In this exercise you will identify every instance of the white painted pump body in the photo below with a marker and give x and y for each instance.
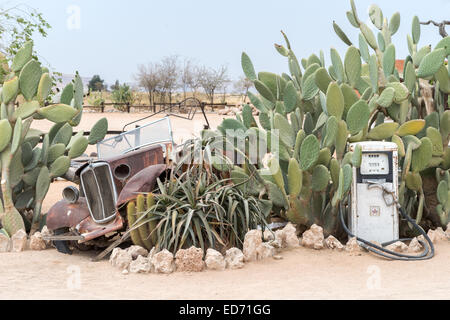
(371, 218)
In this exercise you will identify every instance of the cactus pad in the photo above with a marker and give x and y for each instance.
(422, 155)
(383, 131)
(58, 112)
(335, 101)
(358, 117)
(309, 152)
(320, 178)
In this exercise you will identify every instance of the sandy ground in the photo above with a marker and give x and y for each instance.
(301, 274)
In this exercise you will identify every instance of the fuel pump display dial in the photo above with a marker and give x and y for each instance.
(375, 164)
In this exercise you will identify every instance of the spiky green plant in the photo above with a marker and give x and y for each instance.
(30, 158)
(196, 205)
(315, 111)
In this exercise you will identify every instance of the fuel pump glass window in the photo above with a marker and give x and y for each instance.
(375, 164)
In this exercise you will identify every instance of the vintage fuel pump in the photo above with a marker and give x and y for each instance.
(374, 211)
(372, 217)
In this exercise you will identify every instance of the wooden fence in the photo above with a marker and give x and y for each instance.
(154, 108)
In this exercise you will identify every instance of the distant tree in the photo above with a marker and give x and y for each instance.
(96, 83)
(18, 24)
(242, 86)
(122, 94)
(149, 78)
(169, 74)
(186, 76)
(115, 86)
(212, 80)
(194, 81)
(96, 99)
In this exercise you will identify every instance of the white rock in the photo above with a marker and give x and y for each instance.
(334, 244)
(19, 241)
(435, 235)
(252, 241)
(277, 244)
(141, 265)
(224, 111)
(152, 253)
(137, 251)
(189, 260)
(4, 243)
(120, 259)
(353, 247)
(398, 247)
(234, 258)
(313, 238)
(290, 236)
(415, 246)
(46, 233)
(214, 260)
(235, 110)
(440, 234)
(37, 242)
(163, 262)
(280, 239)
(265, 251)
(277, 257)
(125, 272)
(268, 235)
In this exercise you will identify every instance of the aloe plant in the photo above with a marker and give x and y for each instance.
(30, 158)
(316, 110)
(197, 205)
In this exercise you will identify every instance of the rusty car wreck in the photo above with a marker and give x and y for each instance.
(127, 164)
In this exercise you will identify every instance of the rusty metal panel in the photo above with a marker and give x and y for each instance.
(90, 230)
(65, 215)
(144, 181)
(136, 161)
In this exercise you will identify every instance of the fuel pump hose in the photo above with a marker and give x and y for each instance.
(381, 251)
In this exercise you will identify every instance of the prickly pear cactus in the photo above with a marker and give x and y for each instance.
(31, 159)
(316, 110)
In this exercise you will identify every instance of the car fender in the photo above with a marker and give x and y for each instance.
(67, 215)
(143, 181)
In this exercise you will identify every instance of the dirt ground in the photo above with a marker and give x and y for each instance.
(301, 274)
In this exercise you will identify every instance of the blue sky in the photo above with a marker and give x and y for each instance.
(114, 36)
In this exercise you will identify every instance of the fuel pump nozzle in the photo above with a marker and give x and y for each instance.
(388, 195)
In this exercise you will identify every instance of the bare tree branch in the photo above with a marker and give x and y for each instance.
(242, 86)
(149, 78)
(211, 80)
(169, 74)
(441, 26)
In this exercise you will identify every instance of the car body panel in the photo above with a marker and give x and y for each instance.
(142, 182)
(66, 215)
